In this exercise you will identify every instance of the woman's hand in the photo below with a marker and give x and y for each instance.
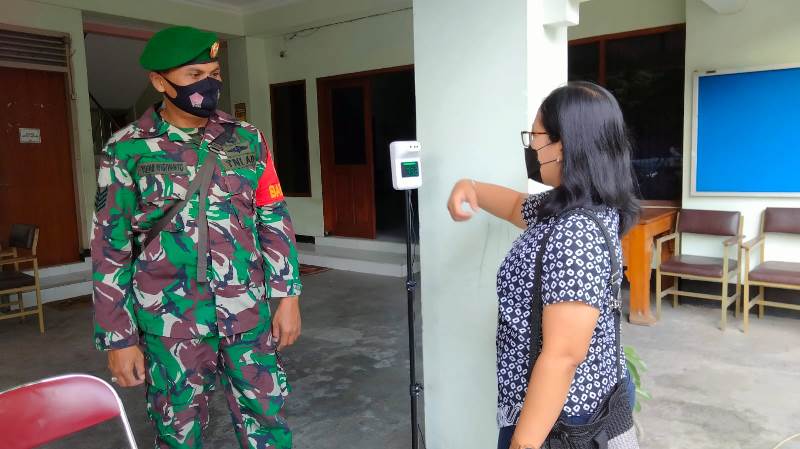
(464, 191)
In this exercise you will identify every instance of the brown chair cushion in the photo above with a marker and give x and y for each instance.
(777, 273)
(697, 265)
(15, 279)
(782, 219)
(709, 222)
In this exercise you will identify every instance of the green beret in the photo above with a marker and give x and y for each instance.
(178, 46)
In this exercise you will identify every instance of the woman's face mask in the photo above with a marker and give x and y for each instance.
(532, 163)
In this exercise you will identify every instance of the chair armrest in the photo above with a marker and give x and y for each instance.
(17, 260)
(661, 240)
(736, 239)
(753, 243)
(10, 252)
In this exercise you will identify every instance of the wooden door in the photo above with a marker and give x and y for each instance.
(36, 179)
(347, 157)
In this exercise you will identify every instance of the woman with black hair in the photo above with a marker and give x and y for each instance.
(560, 368)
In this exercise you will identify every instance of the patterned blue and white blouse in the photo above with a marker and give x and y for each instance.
(576, 268)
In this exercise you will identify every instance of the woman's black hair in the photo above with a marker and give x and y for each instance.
(596, 168)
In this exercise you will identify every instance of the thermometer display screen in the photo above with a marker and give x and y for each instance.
(409, 169)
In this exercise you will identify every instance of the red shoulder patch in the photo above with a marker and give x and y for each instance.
(269, 187)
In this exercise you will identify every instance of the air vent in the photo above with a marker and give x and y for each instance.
(23, 49)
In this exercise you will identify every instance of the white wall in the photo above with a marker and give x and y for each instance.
(476, 89)
(378, 42)
(249, 79)
(600, 17)
(766, 32)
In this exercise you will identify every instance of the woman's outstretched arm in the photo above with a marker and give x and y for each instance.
(499, 201)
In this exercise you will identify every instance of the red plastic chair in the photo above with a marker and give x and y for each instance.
(50, 409)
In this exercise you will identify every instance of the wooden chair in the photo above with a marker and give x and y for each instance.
(17, 282)
(6, 253)
(772, 274)
(709, 269)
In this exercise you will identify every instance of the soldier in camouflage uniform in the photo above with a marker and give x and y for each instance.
(186, 258)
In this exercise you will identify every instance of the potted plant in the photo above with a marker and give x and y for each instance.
(636, 367)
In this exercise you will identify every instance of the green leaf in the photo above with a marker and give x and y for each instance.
(637, 378)
(638, 364)
(636, 367)
(633, 358)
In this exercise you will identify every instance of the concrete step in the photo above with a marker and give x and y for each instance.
(66, 279)
(384, 263)
(63, 282)
(363, 244)
(58, 270)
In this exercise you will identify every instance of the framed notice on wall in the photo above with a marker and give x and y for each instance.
(744, 132)
(30, 135)
(240, 111)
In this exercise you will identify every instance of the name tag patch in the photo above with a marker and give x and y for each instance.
(240, 160)
(162, 168)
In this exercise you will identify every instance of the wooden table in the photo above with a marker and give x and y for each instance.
(637, 249)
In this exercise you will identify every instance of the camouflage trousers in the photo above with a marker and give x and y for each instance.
(181, 374)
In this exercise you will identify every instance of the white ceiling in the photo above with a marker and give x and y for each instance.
(238, 6)
(115, 78)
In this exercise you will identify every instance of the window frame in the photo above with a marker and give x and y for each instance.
(602, 40)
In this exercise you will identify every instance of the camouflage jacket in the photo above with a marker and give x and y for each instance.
(157, 289)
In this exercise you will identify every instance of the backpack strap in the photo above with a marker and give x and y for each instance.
(538, 301)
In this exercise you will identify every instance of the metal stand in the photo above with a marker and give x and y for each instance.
(411, 285)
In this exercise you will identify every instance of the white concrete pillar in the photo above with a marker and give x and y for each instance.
(249, 79)
(482, 68)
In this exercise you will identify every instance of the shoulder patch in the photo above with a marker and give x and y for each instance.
(100, 198)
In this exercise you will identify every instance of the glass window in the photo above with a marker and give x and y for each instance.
(645, 71)
(349, 145)
(646, 74)
(584, 62)
(290, 135)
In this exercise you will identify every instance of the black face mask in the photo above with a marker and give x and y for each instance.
(199, 99)
(532, 163)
